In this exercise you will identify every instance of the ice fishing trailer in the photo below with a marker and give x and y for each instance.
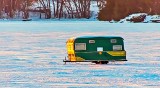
(95, 49)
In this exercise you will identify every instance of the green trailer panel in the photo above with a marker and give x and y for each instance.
(97, 48)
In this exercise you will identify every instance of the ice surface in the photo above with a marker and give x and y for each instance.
(32, 53)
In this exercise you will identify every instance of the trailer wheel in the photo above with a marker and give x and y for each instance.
(104, 62)
(100, 62)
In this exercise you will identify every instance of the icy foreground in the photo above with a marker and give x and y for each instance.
(31, 55)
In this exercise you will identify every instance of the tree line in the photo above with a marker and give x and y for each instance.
(48, 8)
(10, 8)
(119, 9)
(109, 9)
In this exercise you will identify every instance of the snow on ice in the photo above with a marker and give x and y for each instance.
(32, 53)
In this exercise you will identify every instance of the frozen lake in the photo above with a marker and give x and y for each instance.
(32, 53)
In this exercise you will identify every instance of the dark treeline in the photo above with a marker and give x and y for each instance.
(65, 8)
(109, 9)
(118, 9)
(10, 8)
(47, 8)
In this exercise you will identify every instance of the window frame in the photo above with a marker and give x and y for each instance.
(120, 48)
(113, 40)
(91, 41)
(84, 48)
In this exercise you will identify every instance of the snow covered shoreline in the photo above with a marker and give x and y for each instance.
(148, 19)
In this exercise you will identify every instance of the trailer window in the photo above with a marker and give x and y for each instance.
(117, 47)
(91, 41)
(80, 46)
(113, 41)
(99, 48)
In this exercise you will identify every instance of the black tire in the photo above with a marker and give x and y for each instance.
(100, 62)
(104, 62)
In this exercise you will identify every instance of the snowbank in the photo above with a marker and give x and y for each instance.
(147, 19)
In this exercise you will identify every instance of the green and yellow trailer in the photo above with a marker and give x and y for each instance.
(95, 49)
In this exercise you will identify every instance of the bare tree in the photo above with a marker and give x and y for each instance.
(78, 8)
(25, 5)
(46, 4)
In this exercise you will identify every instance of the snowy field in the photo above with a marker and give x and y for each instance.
(32, 53)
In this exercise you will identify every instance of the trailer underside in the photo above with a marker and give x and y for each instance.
(94, 61)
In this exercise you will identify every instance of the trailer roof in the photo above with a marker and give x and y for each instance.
(94, 37)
